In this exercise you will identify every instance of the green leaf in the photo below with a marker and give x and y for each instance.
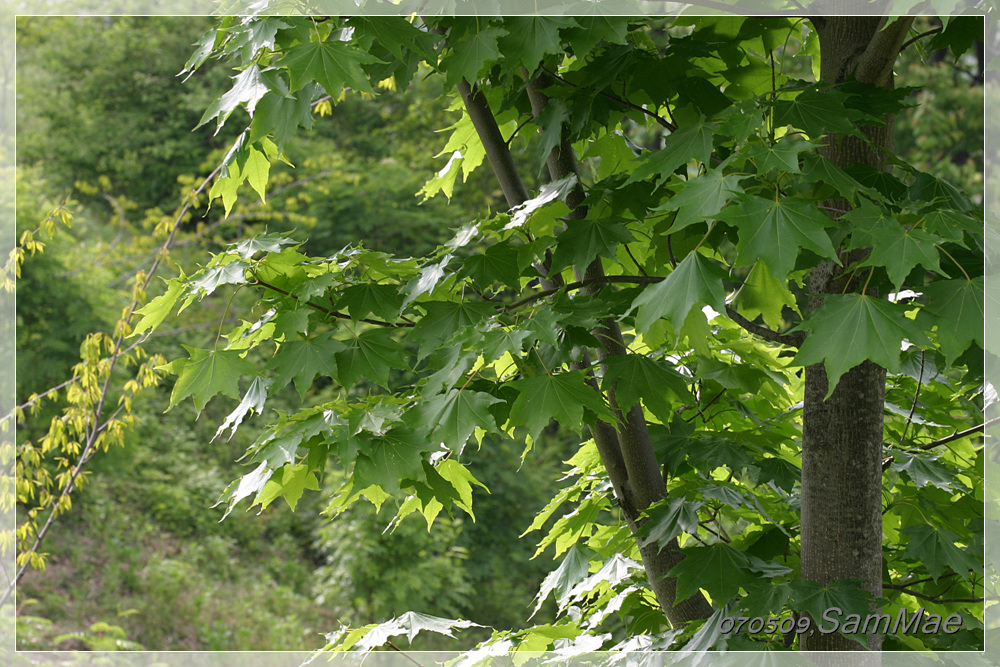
(452, 417)
(411, 624)
(853, 328)
(498, 263)
(206, 373)
(815, 599)
(444, 319)
(934, 547)
(923, 469)
(701, 198)
(719, 569)
(154, 312)
(253, 401)
(561, 397)
(394, 33)
(530, 38)
(957, 308)
(248, 88)
(389, 458)
(471, 55)
(816, 112)
(256, 171)
(302, 360)
(900, 250)
(696, 281)
(774, 230)
(636, 376)
(583, 240)
(334, 65)
(366, 299)
(371, 355)
(762, 295)
(668, 519)
(817, 169)
(765, 598)
(574, 568)
(783, 155)
(289, 481)
(691, 142)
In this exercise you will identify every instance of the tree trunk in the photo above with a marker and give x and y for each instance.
(842, 436)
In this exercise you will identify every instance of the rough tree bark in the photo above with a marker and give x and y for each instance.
(842, 436)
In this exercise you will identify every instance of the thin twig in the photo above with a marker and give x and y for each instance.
(330, 312)
(959, 434)
(628, 103)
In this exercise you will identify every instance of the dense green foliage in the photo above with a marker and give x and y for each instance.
(414, 356)
(687, 245)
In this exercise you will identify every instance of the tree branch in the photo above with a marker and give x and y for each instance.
(764, 332)
(332, 313)
(628, 103)
(959, 434)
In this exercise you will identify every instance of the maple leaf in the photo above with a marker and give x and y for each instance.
(453, 416)
(385, 460)
(635, 376)
(697, 280)
(719, 568)
(531, 38)
(689, 142)
(774, 230)
(302, 360)
(852, 328)
(472, 54)
(333, 64)
(583, 240)
(368, 298)
(248, 87)
(561, 397)
(701, 198)
(371, 355)
(957, 308)
(935, 548)
(206, 373)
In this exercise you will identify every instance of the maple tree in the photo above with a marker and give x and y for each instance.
(762, 323)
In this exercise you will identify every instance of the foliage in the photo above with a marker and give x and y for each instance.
(422, 354)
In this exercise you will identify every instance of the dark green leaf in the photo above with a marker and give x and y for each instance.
(853, 328)
(303, 359)
(719, 569)
(583, 240)
(451, 418)
(334, 65)
(774, 230)
(366, 299)
(691, 142)
(635, 376)
(697, 281)
(561, 397)
(206, 373)
(957, 308)
(369, 356)
(935, 548)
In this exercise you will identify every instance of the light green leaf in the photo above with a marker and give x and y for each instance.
(266, 243)
(289, 481)
(256, 171)
(411, 624)
(206, 373)
(154, 312)
(762, 295)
